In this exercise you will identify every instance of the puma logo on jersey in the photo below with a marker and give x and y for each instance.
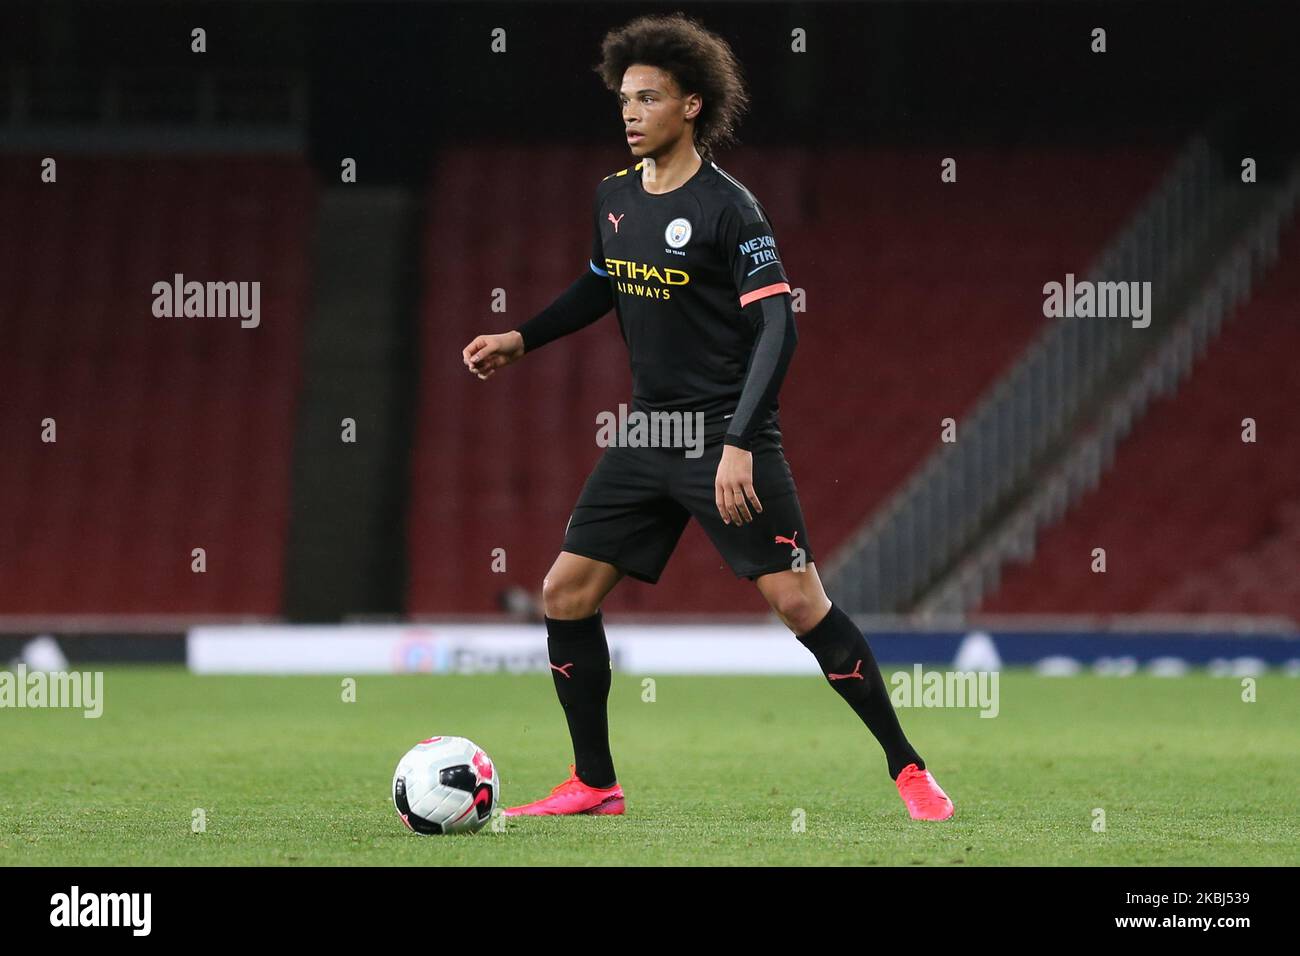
(611, 218)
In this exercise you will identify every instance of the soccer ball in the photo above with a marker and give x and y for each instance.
(445, 785)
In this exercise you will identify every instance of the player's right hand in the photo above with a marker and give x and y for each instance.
(487, 353)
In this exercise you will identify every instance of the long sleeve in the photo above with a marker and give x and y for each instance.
(582, 303)
(774, 345)
(763, 294)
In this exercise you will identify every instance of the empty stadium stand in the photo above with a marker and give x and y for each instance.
(172, 433)
(1193, 518)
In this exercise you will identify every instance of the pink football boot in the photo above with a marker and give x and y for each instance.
(573, 796)
(924, 797)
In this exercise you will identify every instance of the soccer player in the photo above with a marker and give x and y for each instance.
(686, 257)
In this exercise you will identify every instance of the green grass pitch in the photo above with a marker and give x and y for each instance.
(715, 770)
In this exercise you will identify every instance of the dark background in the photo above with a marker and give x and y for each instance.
(390, 81)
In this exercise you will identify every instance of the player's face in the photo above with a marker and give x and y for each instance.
(654, 110)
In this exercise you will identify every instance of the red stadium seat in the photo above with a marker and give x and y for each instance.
(172, 433)
(1193, 519)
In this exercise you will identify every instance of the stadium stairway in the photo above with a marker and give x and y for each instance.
(345, 551)
(1193, 519)
(1041, 430)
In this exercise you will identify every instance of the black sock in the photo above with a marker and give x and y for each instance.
(581, 669)
(850, 667)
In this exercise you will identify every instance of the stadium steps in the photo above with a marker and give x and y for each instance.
(1242, 242)
(1026, 417)
(347, 528)
(1192, 518)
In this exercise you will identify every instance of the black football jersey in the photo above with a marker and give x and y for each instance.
(683, 265)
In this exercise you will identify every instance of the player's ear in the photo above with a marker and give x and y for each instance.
(693, 106)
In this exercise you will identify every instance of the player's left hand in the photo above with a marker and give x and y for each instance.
(733, 488)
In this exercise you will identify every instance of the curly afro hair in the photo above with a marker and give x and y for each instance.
(699, 60)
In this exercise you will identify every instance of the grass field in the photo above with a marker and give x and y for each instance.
(714, 770)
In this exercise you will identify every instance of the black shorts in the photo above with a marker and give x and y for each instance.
(637, 501)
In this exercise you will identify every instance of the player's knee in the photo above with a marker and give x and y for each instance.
(565, 598)
(796, 609)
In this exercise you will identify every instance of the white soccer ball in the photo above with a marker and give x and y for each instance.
(445, 785)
